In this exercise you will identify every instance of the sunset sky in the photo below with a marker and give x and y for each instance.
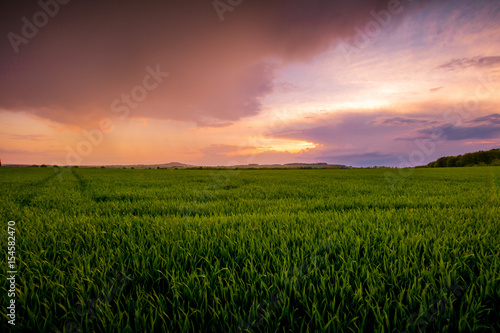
(229, 82)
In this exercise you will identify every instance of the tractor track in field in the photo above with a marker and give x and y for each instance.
(26, 200)
(36, 185)
(82, 183)
(495, 186)
(83, 186)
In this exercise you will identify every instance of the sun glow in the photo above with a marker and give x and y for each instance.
(290, 146)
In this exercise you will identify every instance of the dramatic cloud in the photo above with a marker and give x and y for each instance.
(380, 138)
(246, 81)
(450, 132)
(90, 54)
(489, 128)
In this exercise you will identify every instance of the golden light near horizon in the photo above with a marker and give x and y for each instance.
(290, 146)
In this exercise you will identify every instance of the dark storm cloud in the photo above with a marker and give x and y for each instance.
(455, 133)
(486, 127)
(90, 53)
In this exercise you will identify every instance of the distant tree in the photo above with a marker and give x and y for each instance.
(43, 166)
(451, 161)
(441, 162)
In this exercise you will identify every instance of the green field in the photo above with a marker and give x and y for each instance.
(112, 250)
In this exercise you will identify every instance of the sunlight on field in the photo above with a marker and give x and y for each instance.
(263, 250)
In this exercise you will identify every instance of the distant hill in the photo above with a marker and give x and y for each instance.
(155, 166)
(479, 158)
(254, 166)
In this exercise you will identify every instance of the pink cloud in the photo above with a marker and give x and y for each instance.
(90, 54)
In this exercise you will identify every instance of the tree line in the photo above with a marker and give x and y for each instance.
(479, 158)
